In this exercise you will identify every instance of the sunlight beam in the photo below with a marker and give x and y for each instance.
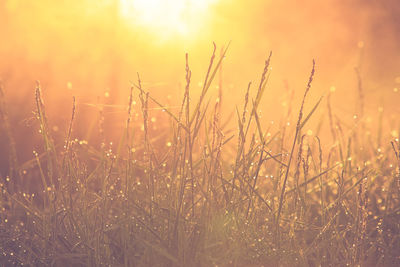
(167, 17)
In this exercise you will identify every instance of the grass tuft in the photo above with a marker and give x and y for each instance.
(199, 193)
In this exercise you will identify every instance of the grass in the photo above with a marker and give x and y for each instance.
(203, 194)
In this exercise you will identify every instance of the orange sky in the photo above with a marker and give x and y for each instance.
(96, 49)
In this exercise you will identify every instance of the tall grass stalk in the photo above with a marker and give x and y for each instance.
(193, 191)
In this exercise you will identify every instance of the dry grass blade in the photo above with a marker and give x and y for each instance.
(263, 82)
(311, 113)
(282, 195)
(207, 82)
(163, 107)
(180, 193)
(4, 121)
(68, 138)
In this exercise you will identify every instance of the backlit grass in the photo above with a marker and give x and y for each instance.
(201, 192)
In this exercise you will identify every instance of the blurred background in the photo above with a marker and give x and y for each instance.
(94, 49)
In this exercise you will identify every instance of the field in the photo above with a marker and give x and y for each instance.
(165, 133)
(206, 188)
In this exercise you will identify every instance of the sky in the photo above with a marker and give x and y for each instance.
(94, 50)
(102, 46)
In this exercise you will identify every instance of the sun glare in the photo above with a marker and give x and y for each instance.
(167, 17)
